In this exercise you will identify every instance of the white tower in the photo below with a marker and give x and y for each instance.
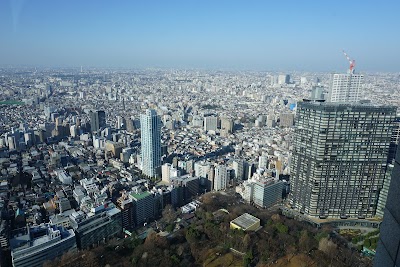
(150, 125)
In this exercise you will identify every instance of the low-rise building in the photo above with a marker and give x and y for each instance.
(245, 222)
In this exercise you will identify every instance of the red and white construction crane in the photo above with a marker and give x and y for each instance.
(351, 61)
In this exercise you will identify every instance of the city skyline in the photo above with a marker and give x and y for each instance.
(185, 133)
(229, 35)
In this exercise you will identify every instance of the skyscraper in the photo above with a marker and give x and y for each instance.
(283, 79)
(150, 125)
(345, 87)
(388, 251)
(339, 158)
(97, 120)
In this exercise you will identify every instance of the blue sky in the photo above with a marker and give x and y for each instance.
(265, 35)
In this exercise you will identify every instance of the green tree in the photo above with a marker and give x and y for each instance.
(283, 229)
(192, 233)
(248, 257)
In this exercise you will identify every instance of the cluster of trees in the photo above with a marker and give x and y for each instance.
(208, 238)
(370, 240)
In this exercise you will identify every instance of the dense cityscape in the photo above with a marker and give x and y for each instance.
(93, 156)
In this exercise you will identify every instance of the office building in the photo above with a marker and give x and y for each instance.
(143, 207)
(210, 123)
(190, 186)
(37, 244)
(345, 87)
(267, 193)
(93, 228)
(339, 158)
(97, 120)
(388, 250)
(151, 143)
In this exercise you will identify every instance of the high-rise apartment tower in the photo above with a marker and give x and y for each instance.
(150, 125)
(339, 158)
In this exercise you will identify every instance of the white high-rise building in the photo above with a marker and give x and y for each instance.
(221, 178)
(150, 125)
(345, 87)
(165, 172)
(263, 162)
(201, 169)
(283, 79)
(210, 123)
(238, 167)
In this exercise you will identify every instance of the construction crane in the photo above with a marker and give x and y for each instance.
(351, 61)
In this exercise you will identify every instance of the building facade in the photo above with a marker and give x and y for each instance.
(345, 87)
(210, 123)
(339, 158)
(97, 120)
(267, 193)
(150, 125)
(39, 244)
(388, 250)
(91, 230)
(143, 207)
(221, 178)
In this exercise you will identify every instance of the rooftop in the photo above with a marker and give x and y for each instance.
(245, 221)
(141, 195)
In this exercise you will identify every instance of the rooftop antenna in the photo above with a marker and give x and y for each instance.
(352, 62)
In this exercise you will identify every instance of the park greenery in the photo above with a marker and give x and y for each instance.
(206, 239)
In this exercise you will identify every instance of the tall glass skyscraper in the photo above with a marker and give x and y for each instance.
(150, 125)
(339, 158)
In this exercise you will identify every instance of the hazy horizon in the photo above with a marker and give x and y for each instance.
(233, 35)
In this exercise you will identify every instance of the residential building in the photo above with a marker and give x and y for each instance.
(345, 87)
(151, 143)
(339, 158)
(221, 178)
